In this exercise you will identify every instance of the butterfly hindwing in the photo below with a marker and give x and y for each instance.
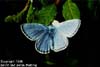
(43, 44)
(60, 42)
(33, 31)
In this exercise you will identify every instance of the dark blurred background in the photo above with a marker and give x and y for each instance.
(14, 45)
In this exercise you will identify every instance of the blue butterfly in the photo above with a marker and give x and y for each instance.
(53, 37)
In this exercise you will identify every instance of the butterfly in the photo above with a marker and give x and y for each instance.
(53, 37)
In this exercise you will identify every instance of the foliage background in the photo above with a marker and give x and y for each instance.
(80, 53)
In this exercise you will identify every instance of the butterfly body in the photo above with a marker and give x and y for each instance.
(53, 37)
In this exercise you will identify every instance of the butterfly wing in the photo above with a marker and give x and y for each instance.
(62, 31)
(68, 28)
(43, 44)
(33, 31)
(60, 42)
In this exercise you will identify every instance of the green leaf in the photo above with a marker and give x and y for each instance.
(90, 4)
(14, 18)
(71, 62)
(46, 2)
(9, 18)
(45, 15)
(70, 10)
(49, 62)
(43, 2)
(30, 13)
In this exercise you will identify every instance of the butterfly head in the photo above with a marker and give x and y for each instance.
(56, 23)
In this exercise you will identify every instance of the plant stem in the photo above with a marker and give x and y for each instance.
(26, 6)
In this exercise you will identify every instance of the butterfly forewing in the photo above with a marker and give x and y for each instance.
(33, 31)
(69, 28)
